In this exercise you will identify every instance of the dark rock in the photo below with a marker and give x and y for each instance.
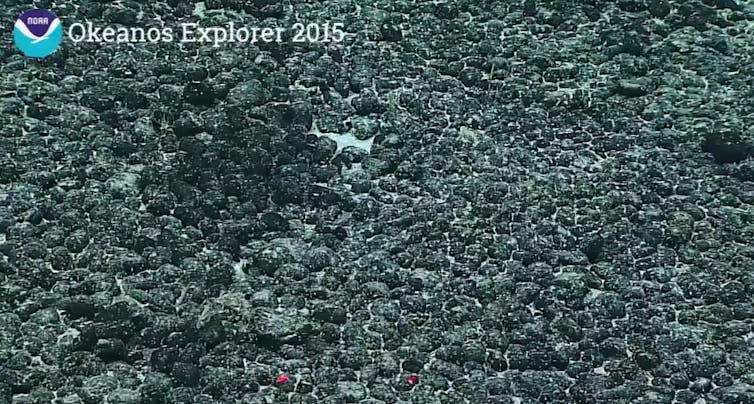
(198, 93)
(726, 149)
(630, 89)
(530, 8)
(391, 32)
(186, 374)
(110, 350)
(646, 360)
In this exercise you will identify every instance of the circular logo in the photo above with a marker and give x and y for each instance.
(37, 33)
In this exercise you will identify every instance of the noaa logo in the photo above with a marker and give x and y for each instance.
(37, 33)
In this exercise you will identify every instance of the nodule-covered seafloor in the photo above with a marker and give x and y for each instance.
(461, 202)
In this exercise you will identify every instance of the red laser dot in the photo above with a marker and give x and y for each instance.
(412, 380)
(283, 378)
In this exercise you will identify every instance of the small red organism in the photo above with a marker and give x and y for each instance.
(412, 380)
(282, 379)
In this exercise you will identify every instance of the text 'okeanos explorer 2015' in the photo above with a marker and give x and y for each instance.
(193, 33)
